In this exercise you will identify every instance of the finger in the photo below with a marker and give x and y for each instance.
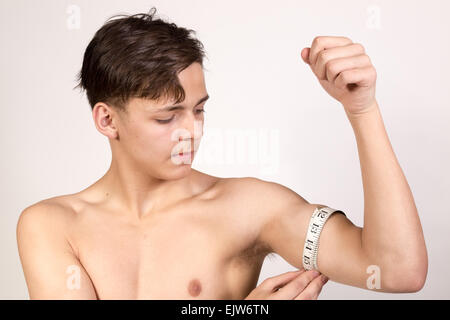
(336, 66)
(313, 289)
(322, 43)
(296, 286)
(359, 76)
(273, 283)
(326, 56)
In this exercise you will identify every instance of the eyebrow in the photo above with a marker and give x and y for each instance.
(176, 107)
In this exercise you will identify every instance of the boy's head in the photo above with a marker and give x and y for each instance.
(133, 67)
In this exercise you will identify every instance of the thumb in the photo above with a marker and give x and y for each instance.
(305, 55)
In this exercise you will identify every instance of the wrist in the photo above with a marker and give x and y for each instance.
(373, 108)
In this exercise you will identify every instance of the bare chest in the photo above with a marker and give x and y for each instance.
(189, 255)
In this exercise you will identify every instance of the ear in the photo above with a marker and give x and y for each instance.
(103, 116)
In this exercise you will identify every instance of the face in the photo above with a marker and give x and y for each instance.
(152, 135)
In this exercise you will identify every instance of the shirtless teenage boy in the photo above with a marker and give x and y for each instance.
(154, 228)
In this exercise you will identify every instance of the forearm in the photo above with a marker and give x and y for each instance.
(392, 232)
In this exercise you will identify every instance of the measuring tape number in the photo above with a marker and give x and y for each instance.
(310, 250)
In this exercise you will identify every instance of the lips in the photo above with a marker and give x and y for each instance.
(183, 154)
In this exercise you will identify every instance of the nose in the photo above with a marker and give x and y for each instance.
(192, 124)
(194, 127)
(189, 134)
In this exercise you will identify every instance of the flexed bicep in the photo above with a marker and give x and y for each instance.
(340, 255)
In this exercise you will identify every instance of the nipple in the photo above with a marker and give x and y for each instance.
(194, 287)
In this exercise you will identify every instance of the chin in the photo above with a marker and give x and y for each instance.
(178, 171)
(181, 173)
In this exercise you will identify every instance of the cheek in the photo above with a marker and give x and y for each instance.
(154, 142)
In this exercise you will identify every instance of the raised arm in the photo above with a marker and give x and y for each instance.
(391, 240)
(51, 268)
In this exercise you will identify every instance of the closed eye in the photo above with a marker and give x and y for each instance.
(198, 111)
(164, 121)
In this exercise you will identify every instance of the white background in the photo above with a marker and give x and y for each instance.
(256, 79)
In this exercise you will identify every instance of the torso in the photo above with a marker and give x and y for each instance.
(202, 248)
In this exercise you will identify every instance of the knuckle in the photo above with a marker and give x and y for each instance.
(360, 47)
(367, 58)
(374, 72)
(311, 276)
(299, 284)
(331, 67)
(344, 75)
(317, 39)
(348, 39)
(321, 60)
(322, 56)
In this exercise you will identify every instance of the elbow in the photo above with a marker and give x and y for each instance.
(419, 271)
(411, 285)
(408, 272)
(419, 276)
(410, 279)
(418, 285)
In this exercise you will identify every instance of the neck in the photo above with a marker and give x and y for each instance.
(138, 194)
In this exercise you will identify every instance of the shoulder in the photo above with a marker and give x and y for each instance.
(57, 208)
(263, 192)
(262, 201)
(255, 197)
(47, 218)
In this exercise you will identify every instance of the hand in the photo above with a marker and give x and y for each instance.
(344, 71)
(293, 285)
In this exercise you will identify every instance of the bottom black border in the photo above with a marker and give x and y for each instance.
(224, 309)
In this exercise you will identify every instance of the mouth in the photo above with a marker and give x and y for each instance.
(184, 154)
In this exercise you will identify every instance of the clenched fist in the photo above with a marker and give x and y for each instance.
(293, 285)
(344, 70)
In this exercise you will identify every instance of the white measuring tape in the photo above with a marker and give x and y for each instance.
(311, 248)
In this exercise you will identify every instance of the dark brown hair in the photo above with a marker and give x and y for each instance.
(137, 56)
